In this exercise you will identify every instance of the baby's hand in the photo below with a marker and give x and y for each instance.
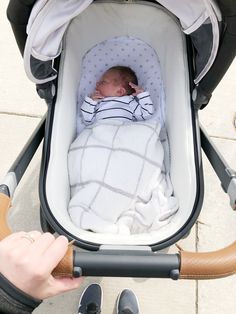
(96, 95)
(137, 89)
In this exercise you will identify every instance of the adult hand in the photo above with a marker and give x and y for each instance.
(27, 260)
(137, 89)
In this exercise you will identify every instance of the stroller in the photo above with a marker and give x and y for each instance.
(201, 35)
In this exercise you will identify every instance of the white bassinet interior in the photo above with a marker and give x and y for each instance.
(153, 25)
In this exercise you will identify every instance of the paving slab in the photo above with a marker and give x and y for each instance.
(15, 131)
(18, 94)
(218, 116)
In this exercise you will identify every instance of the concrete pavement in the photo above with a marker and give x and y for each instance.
(21, 110)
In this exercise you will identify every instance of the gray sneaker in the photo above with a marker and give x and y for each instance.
(91, 300)
(127, 303)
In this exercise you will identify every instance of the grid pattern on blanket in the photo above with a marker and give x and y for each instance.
(117, 178)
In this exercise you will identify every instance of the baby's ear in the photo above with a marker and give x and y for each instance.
(122, 91)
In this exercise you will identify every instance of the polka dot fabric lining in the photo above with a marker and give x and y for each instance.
(126, 51)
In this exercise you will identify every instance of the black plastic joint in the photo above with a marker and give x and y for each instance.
(77, 272)
(200, 99)
(4, 189)
(174, 274)
(46, 91)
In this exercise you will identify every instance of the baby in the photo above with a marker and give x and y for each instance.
(117, 96)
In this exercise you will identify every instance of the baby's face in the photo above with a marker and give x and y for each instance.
(110, 85)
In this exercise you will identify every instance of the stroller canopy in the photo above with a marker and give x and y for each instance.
(214, 42)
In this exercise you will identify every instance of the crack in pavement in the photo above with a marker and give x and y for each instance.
(22, 114)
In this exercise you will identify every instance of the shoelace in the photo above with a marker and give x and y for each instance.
(92, 308)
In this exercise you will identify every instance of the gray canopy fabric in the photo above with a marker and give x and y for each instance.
(46, 26)
(200, 19)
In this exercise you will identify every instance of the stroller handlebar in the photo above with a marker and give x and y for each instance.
(184, 265)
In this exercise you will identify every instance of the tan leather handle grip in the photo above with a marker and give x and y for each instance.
(208, 265)
(5, 204)
(64, 268)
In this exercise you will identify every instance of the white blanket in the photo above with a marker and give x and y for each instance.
(117, 178)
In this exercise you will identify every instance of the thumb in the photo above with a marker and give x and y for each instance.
(64, 284)
(67, 284)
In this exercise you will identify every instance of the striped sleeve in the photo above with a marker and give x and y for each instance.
(144, 108)
(88, 110)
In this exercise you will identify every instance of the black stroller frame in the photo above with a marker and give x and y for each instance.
(132, 261)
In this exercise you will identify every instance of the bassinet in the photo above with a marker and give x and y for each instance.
(180, 121)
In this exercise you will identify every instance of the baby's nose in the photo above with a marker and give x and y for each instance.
(97, 84)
